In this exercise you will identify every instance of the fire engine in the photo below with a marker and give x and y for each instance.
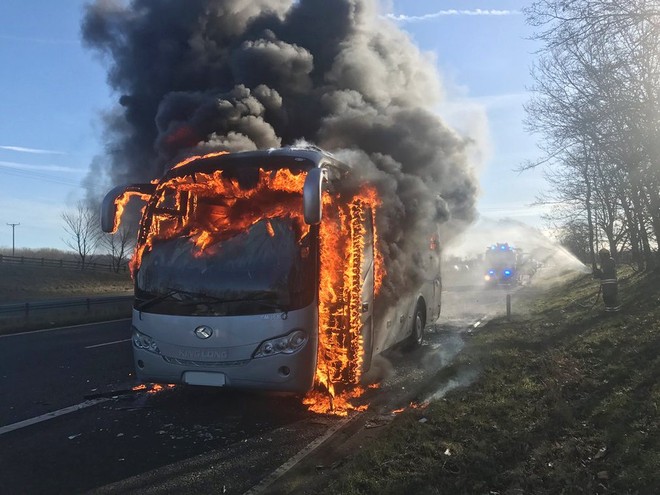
(501, 265)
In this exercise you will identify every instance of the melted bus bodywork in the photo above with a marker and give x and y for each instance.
(242, 305)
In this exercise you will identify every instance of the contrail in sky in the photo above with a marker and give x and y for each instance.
(451, 12)
(37, 151)
(46, 168)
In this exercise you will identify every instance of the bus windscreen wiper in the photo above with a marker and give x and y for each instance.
(264, 299)
(160, 297)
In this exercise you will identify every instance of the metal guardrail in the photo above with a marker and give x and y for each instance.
(61, 263)
(28, 307)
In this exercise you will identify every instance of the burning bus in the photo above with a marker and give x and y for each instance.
(256, 270)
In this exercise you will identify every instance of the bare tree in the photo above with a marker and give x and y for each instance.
(120, 246)
(574, 236)
(597, 105)
(83, 231)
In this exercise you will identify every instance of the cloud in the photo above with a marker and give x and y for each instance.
(46, 168)
(451, 12)
(21, 149)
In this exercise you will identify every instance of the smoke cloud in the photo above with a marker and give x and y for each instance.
(207, 75)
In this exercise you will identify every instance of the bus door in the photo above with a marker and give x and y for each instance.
(367, 289)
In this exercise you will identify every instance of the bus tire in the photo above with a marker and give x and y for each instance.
(419, 322)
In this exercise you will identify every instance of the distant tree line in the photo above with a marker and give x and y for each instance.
(88, 243)
(596, 105)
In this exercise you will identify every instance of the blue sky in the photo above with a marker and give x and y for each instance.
(53, 92)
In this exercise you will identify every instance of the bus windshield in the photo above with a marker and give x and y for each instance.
(213, 245)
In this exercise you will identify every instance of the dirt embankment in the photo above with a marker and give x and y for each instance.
(567, 400)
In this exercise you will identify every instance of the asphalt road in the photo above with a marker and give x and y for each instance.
(45, 372)
(187, 439)
(49, 370)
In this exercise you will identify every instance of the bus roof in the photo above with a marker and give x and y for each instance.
(311, 154)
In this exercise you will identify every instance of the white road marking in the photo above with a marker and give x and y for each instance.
(107, 343)
(288, 465)
(17, 334)
(51, 415)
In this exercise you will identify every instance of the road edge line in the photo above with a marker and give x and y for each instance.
(291, 463)
(51, 415)
(65, 327)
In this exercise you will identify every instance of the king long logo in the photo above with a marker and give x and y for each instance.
(207, 354)
(203, 332)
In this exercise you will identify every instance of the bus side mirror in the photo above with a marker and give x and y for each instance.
(313, 195)
(109, 204)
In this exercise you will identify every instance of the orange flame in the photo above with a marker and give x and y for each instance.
(230, 211)
(340, 352)
(412, 405)
(122, 201)
(321, 402)
(197, 157)
(153, 388)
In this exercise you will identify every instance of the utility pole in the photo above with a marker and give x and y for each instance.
(13, 229)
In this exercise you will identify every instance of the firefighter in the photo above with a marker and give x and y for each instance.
(608, 282)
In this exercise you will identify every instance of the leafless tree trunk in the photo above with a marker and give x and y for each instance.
(590, 220)
(83, 232)
(597, 97)
(120, 246)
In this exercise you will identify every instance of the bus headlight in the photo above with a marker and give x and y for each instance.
(286, 344)
(143, 341)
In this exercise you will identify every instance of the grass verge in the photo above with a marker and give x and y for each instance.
(567, 401)
(19, 284)
(30, 283)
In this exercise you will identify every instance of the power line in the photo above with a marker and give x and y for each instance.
(13, 245)
(38, 176)
(48, 178)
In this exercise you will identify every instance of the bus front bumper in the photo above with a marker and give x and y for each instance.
(281, 372)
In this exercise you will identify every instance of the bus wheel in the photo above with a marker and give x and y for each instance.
(419, 322)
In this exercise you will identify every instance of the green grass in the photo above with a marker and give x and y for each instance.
(567, 401)
(29, 283)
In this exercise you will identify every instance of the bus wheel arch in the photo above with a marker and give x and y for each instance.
(418, 324)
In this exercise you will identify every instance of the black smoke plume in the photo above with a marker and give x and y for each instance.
(202, 75)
